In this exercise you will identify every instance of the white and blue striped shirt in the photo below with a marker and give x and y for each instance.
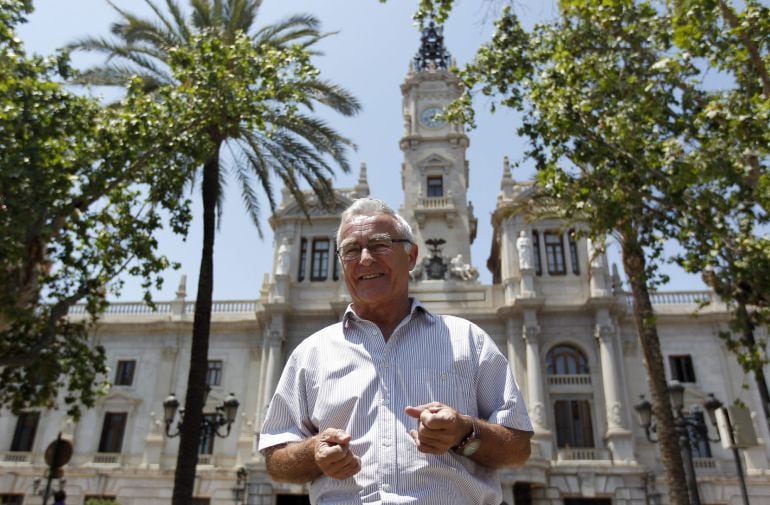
(347, 376)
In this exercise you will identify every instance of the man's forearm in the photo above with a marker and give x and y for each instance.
(502, 446)
(293, 462)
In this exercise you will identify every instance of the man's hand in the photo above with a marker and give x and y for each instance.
(440, 427)
(333, 455)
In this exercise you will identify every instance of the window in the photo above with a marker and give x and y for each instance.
(336, 267)
(112, 432)
(11, 499)
(214, 372)
(320, 260)
(435, 186)
(292, 499)
(206, 445)
(573, 252)
(698, 443)
(24, 435)
(681, 368)
(124, 376)
(302, 259)
(573, 423)
(536, 252)
(554, 253)
(566, 360)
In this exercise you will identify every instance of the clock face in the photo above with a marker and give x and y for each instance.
(429, 117)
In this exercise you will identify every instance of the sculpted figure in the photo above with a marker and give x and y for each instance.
(524, 248)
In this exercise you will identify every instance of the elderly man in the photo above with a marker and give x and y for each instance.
(394, 404)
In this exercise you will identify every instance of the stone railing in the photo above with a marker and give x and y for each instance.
(141, 308)
(707, 465)
(126, 308)
(17, 457)
(434, 202)
(226, 306)
(678, 297)
(583, 454)
(582, 379)
(106, 458)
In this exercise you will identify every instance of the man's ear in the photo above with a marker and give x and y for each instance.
(413, 251)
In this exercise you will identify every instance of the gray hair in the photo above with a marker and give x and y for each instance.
(372, 207)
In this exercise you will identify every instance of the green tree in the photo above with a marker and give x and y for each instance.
(73, 216)
(723, 240)
(253, 93)
(605, 101)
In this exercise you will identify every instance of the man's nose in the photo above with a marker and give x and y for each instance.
(366, 256)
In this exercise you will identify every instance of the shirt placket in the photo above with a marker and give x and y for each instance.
(386, 421)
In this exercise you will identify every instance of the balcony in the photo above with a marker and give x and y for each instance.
(570, 383)
(106, 458)
(14, 457)
(583, 454)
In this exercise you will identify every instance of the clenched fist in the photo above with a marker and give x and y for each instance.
(333, 455)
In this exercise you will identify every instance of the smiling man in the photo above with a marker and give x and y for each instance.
(394, 404)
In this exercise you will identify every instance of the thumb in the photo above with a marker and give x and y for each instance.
(338, 437)
(414, 412)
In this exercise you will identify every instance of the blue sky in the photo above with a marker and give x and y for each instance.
(369, 56)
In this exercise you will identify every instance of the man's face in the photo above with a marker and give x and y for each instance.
(376, 280)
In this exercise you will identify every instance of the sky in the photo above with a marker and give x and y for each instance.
(369, 55)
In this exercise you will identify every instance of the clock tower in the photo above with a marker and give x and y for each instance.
(434, 174)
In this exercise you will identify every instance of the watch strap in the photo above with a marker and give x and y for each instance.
(473, 436)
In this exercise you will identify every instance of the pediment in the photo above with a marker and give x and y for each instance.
(434, 160)
(120, 397)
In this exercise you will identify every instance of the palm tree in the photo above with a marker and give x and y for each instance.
(268, 139)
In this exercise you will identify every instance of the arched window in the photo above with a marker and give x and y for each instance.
(566, 360)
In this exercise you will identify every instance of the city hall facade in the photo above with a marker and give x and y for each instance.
(555, 308)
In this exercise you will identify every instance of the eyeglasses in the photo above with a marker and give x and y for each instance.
(376, 247)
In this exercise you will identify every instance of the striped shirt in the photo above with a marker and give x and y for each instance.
(347, 376)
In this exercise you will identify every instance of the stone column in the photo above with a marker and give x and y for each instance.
(273, 365)
(517, 354)
(619, 438)
(536, 387)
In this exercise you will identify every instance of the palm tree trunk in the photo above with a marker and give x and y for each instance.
(634, 263)
(187, 457)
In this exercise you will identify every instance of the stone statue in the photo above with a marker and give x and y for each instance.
(462, 270)
(596, 254)
(284, 258)
(524, 248)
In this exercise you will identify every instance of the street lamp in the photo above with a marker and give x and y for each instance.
(225, 415)
(239, 491)
(687, 427)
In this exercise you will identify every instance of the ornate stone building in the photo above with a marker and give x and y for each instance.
(554, 308)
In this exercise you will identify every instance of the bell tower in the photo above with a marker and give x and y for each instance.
(434, 174)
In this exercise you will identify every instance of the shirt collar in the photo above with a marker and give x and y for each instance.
(416, 308)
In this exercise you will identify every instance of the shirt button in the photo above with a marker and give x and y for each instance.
(443, 376)
(386, 401)
(386, 487)
(385, 364)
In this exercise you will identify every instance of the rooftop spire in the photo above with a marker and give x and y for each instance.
(432, 53)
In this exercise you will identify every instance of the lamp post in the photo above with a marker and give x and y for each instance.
(687, 427)
(239, 491)
(225, 415)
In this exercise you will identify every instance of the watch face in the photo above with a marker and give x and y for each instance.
(429, 117)
(471, 447)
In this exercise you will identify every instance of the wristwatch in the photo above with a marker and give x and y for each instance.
(471, 443)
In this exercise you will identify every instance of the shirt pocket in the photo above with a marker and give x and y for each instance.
(435, 385)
